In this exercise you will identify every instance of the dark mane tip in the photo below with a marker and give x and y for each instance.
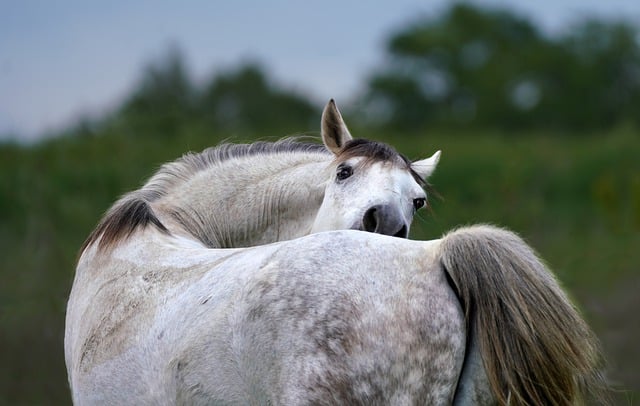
(121, 221)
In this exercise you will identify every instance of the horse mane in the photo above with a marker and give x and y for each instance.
(133, 210)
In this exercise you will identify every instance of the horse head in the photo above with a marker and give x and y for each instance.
(372, 187)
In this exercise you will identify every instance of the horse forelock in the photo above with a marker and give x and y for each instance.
(374, 151)
(134, 211)
(371, 151)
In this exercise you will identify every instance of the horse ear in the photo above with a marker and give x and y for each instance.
(425, 167)
(334, 131)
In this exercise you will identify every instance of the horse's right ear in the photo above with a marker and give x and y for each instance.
(425, 167)
(334, 131)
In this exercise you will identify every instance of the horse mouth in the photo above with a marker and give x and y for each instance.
(403, 232)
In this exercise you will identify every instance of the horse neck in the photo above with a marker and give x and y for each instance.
(247, 201)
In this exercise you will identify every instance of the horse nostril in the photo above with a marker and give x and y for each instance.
(383, 219)
(370, 220)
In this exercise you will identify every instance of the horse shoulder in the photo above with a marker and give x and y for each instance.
(116, 300)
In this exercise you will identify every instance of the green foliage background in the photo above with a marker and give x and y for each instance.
(572, 192)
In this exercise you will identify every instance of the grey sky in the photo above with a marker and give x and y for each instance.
(62, 59)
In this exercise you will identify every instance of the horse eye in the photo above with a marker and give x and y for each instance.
(344, 171)
(419, 203)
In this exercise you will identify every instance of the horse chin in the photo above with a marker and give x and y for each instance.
(402, 233)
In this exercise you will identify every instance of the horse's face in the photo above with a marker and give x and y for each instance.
(372, 187)
(370, 196)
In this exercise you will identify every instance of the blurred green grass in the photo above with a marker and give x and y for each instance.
(575, 199)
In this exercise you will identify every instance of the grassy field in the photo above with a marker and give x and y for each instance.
(575, 199)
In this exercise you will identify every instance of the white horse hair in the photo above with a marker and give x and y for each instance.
(157, 316)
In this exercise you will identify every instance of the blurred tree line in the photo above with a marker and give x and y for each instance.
(492, 68)
(466, 68)
(241, 100)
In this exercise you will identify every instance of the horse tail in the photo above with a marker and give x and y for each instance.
(533, 344)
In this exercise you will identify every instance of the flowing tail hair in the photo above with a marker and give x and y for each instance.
(535, 347)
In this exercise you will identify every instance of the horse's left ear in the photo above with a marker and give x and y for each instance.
(334, 131)
(425, 167)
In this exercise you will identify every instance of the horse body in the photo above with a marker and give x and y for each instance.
(336, 317)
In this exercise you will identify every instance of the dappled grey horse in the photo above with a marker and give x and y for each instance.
(161, 313)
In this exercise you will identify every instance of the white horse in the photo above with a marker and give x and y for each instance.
(157, 316)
